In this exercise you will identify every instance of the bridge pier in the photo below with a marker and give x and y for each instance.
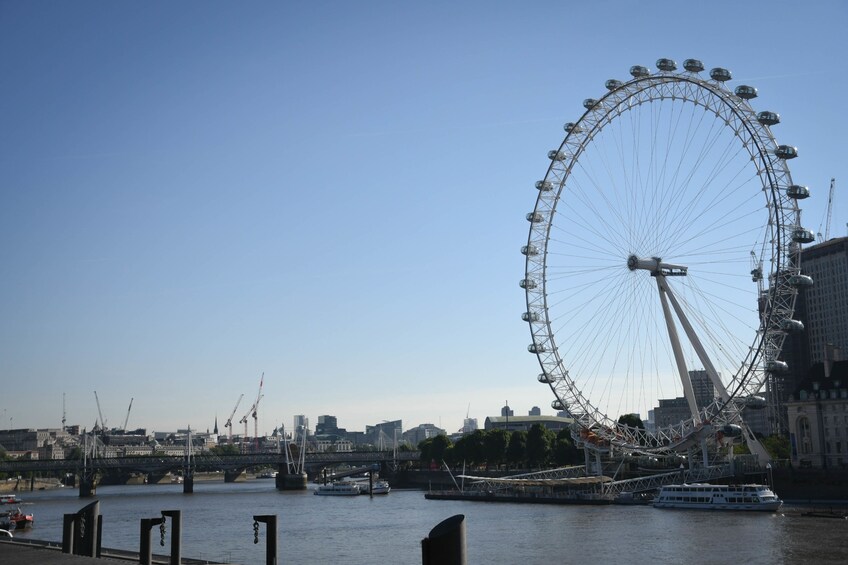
(188, 484)
(291, 481)
(87, 485)
(235, 476)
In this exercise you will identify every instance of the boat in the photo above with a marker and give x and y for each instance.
(704, 496)
(380, 486)
(338, 489)
(9, 499)
(17, 519)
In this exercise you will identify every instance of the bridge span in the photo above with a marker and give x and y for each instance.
(231, 465)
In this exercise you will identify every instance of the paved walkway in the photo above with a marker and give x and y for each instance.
(11, 552)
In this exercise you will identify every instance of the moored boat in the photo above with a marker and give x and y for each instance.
(703, 496)
(9, 499)
(338, 489)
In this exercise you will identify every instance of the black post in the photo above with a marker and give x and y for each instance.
(176, 534)
(81, 531)
(270, 521)
(145, 549)
(446, 543)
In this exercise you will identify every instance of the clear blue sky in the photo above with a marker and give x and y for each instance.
(332, 193)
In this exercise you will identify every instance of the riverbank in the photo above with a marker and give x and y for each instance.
(23, 485)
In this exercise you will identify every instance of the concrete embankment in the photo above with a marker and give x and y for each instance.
(18, 485)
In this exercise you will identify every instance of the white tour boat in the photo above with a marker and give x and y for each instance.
(338, 489)
(702, 496)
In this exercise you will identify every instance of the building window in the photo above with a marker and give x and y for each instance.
(805, 440)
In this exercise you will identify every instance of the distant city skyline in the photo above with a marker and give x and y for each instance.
(332, 194)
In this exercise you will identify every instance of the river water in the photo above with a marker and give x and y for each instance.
(217, 522)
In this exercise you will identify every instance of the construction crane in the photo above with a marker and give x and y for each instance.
(252, 412)
(824, 236)
(229, 423)
(127, 419)
(100, 413)
(63, 412)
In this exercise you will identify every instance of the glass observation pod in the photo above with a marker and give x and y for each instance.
(693, 65)
(590, 103)
(557, 405)
(527, 283)
(801, 281)
(755, 402)
(555, 155)
(536, 348)
(667, 65)
(612, 84)
(534, 217)
(768, 118)
(746, 92)
(544, 185)
(530, 316)
(529, 250)
(777, 366)
(786, 151)
(731, 430)
(721, 75)
(792, 326)
(639, 71)
(545, 378)
(797, 191)
(756, 274)
(571, 127)
(803, 235)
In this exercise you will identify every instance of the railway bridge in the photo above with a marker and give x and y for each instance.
(87, 470)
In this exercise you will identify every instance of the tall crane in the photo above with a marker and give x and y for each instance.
(229, 423)
(253, 412)
(829, 210)
(100, 413)
(127, 419)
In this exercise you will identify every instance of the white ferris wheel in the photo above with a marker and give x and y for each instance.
(664, 242)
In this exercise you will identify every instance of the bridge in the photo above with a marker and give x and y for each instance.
(231, 465)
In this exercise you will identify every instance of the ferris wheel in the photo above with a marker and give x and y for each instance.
(662, 261)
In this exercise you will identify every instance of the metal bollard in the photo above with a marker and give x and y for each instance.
(176, 534)
(145, 549)
(446, 543)
(270, 521)
(81, 531)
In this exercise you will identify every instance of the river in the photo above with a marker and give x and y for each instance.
(217, 523)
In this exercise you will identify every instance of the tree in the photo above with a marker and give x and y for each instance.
(632, 420)
(494, 444)
(564, 450)
(516, 451)
(434, 448)
(539, 442)
(777, 446)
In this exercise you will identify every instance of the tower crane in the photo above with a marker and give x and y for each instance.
(829, 209)
(229, 423)
(252, 411)
(127, 419)
(100, 413)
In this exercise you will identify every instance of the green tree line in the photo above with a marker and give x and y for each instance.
(537, 448)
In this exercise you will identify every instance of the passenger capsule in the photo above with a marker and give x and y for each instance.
(786, 151)
(693, 65)
(544, 185)
(799, 281)
(557, 404)
(777, 366)
(530, 316)
(791, 326)
(529, 250)
(545, 378)
(527, 283)
(803, 235)
(590, 103)
(768, 118)
(534, 217)
(666, 65)
(745, 92)
(536, 348)
(612, 84)
(755, 402)
(555, 155)
(731, 430)
(797, 191)
(639, 71)
(571, 127)
(719, 74)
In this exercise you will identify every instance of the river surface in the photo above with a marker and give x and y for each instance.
(217, 524)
